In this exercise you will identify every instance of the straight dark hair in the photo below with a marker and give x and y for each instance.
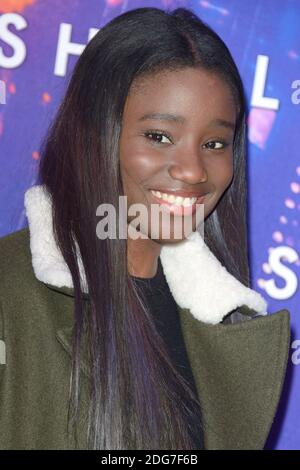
(138, 400)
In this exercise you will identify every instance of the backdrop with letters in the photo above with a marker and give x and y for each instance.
(40, 41)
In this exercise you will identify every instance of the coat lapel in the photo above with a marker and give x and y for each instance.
(239, 371)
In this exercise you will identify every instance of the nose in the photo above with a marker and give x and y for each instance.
(189, 168)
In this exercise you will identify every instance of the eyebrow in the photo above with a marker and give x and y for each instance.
(180, 119)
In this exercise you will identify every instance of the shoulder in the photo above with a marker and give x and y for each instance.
(15, 261)
(14, 240)
(15, 249)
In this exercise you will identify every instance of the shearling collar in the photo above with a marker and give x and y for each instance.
(197, 279)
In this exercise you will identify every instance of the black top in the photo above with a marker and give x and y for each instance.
(166, 318)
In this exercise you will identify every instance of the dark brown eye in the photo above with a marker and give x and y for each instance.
(216, 145)
(157, 137)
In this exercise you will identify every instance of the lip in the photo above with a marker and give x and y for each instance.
(177, 209)
(178, 192)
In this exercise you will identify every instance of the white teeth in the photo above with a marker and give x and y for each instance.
(187, 201)
(178, 200)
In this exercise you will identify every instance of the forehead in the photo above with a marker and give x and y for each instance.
(193, 93)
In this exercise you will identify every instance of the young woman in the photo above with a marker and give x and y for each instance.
(140, 342)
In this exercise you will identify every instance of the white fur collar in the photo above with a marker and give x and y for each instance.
(196, 278)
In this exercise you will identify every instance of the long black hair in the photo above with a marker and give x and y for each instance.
(137, 398)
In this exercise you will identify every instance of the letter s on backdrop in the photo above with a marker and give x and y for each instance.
(18, 46)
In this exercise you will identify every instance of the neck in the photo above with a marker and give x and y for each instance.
(142, 256)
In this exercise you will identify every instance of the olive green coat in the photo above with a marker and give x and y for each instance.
(239, 367)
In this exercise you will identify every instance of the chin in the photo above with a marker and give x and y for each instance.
(171, 238)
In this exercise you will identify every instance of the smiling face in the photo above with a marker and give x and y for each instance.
(177, 139)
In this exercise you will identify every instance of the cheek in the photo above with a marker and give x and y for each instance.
(137, 163)
(136, 169)
(128, 168)
(222, 174)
